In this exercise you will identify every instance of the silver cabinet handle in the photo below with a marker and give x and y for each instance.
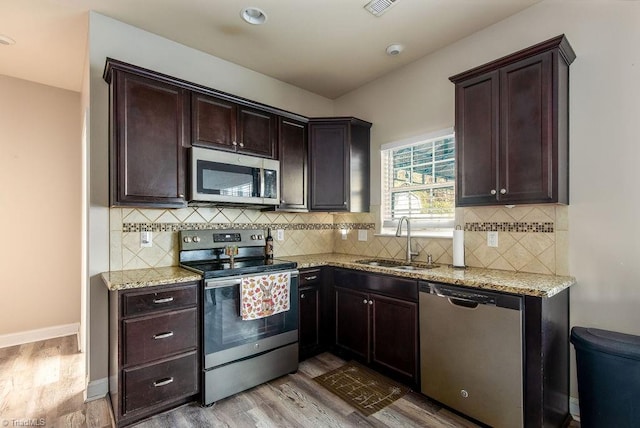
(503, 191)
(493, 191)
(241, 144)
(310, 278)
(302, 296)
(371, 302)
(181, 195)
(364, 301)
(163, 335)
(163, 382)
(165, 300)
(233, 143)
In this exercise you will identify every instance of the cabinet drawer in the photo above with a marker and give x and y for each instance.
(138, 303)
(401, 288)
(147, 386)
(309, 277)
(150, 338)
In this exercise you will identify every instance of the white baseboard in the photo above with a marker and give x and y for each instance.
(574, 408)
(29, 336)
(96, 389)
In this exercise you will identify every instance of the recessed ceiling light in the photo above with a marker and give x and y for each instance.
(6, 40)
(394, 49)
(253, 15)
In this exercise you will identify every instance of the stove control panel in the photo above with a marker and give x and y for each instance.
(216, 238)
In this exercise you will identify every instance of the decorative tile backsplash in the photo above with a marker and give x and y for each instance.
(530, 238)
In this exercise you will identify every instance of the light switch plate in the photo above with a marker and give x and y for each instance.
(492, 239)
(362, 234)
(146, 239)
(280, 234)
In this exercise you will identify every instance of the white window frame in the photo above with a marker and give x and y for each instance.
(420, 227)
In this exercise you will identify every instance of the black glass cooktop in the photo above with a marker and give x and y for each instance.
(221, 268)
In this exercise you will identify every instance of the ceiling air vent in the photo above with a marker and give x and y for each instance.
(378, 7)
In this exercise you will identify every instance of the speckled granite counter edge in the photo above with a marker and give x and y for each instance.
(522, 283)
(528, 284)
(140, 278)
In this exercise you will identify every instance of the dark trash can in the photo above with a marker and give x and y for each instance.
(608, 366)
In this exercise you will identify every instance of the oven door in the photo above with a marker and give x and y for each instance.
(218, 176)
(227, 337)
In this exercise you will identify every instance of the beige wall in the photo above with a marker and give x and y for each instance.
(40, 206)
(602, 238)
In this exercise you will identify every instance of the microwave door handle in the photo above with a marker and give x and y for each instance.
(261, 182)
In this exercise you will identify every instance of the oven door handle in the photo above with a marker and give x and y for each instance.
(209, 285)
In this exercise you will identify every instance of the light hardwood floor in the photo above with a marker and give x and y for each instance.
(43, 382)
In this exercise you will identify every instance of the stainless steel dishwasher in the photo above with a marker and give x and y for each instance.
(471, 352)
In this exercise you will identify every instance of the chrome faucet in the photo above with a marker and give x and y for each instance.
(410, 254)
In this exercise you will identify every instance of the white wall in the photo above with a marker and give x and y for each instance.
(111, 38)
(40, 208)
(604, 242)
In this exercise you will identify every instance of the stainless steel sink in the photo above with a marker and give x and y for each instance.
(397, 264)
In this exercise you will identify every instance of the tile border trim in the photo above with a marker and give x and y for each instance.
(174, 227)
(515, 226)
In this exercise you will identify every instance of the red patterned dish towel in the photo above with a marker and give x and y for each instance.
(264, 295)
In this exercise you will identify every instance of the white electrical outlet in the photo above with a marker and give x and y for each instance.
(146, 239)
(280, 234)
(492, 239)
(362, 234)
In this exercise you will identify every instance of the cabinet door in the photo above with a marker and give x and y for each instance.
(352, 322)
(293, 164)
(213, 122)
(477, 137)
(394, 347)
(256, 132)
(526, 146)
(329, 166)
(148, 142)
(309, 326)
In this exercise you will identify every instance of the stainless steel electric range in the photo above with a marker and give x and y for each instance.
(240, 352)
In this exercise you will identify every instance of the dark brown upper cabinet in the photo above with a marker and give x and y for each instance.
(149, 134)
(292, 144)
(339, 163)
(512, 133)
(214, 122)
(221, 124)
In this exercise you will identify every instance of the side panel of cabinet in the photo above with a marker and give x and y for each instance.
(213, 122)
(352, 322)
(477, 139)
(329, 166)
(148, 142)
(293, 164)
(395, 348)
(526, 143)
(256, 132)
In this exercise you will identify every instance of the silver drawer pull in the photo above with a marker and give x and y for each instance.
(163, 382)
(310, 278)
(165, 300)
(163, 335)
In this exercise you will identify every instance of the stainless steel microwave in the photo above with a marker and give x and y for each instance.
(231, 178)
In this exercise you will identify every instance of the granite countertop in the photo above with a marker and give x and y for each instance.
(529, 284)
(138, 278)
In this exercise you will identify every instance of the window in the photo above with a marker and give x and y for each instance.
(418, 181)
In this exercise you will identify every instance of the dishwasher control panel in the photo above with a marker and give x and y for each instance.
(471, 295)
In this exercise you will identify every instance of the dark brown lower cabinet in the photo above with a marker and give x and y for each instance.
(154, 350)
(376, 322)
(310, 326)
